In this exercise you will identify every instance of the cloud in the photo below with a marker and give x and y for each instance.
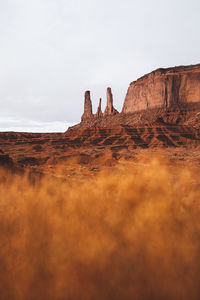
(23, 125)
(52, 51)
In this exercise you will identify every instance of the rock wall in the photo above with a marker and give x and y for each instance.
(164, 88)
(173, 88)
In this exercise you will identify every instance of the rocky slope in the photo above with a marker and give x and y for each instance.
(92, 146)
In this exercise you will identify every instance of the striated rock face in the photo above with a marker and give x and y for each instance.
(99, 113)
(164, 88)
(87, 107)
(168, 95)
(110, 110)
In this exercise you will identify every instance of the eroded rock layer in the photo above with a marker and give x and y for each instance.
(161, 110)
(164, 88)
(92, 147)
(168, 95)
(38, 148)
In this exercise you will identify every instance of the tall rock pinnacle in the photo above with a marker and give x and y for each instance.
(99, 111)
(110, 110)
(87, 107)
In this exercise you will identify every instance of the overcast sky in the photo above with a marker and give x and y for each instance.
(51, 51)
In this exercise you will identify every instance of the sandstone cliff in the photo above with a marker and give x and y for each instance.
(170, 96)
(164, 88)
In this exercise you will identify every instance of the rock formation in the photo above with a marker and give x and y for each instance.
(88, 116)
(164, 88)
(99, 113)
(110, 110)
(87, 107)
(169, 95)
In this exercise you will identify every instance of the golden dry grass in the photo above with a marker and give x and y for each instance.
(129, 234)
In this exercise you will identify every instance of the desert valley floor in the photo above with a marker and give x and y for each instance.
(88, 151)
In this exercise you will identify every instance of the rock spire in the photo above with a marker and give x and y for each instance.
(99, 113)
(88, 115)
(87, 107)
(110, 110)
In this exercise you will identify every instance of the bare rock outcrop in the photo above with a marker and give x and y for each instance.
(99, 113)
(87, 107)
(89, 117)
(110, 110)
(169, 95)
(164, 88)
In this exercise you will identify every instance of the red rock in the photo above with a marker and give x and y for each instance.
(87, 107)
(170, 96)
(110, 110)
(99, 113)
(164, 88)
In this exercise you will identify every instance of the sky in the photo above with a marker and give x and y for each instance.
(51, 51)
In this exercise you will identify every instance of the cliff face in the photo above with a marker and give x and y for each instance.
(169, 95)
(164, 88)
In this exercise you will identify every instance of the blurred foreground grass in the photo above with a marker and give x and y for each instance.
(128, 234)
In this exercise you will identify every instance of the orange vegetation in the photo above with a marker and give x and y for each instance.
(129, 234)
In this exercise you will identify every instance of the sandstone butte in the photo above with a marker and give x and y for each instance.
(160, 110)
(170, 95)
